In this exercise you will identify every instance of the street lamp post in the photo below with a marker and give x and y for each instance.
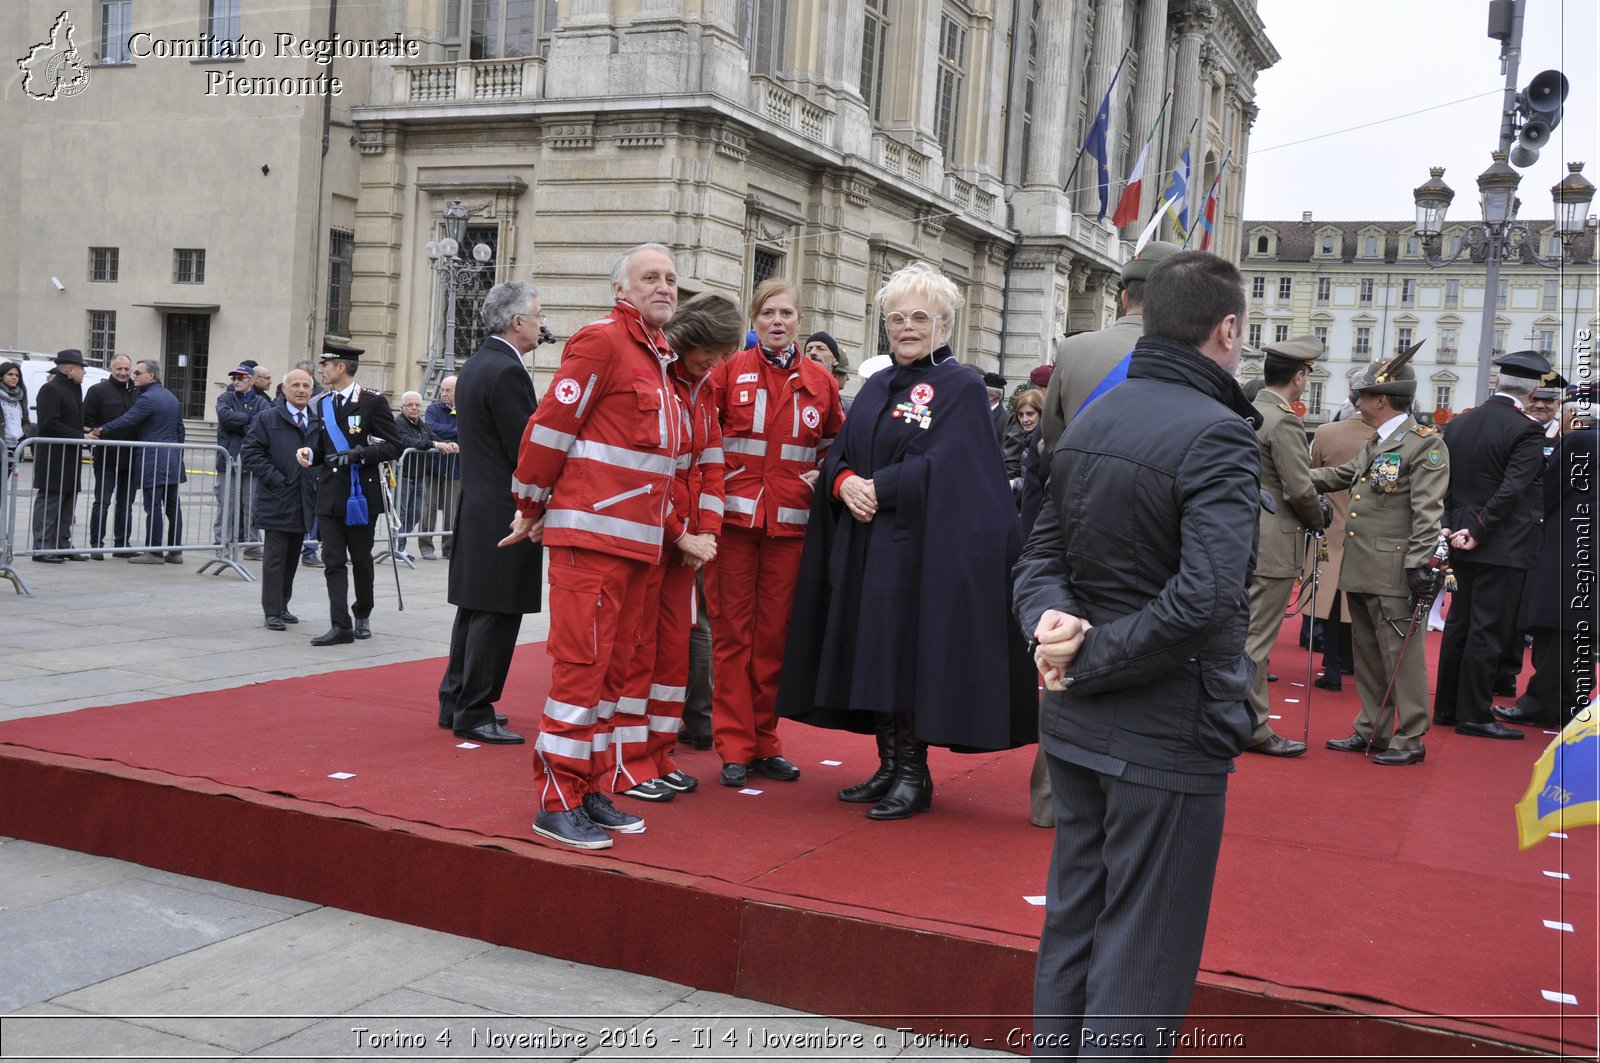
(452, 272)
(1500, 235)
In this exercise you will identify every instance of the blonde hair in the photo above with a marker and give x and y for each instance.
(921, 281)
(769, 290)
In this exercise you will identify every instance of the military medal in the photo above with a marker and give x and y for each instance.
(355, 424)
(913, 413)
(1386, 472)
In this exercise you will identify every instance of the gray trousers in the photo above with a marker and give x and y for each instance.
(1127, 900)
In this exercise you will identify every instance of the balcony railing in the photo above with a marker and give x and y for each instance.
(898, 158)
(790, 109)
(476, 79)
(1445, 355)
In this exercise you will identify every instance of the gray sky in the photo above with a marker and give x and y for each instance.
(1356, 62)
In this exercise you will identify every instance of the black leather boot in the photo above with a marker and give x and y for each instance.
(912, 788)
(873, 789)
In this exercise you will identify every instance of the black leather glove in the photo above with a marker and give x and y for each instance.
(353, 456)
(1419, 581)
(1327, 510)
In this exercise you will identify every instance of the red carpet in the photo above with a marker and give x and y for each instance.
(1389, 892)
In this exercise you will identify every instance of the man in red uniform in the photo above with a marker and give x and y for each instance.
(594, 481)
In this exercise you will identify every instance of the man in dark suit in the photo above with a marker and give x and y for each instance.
(59, 409)
(491, 587)
(113, 466)
(358, 433)
(1494, 510)
(155, 417)
(1134, 587)
(285, 495)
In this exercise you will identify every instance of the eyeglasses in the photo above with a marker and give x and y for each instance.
(919, 318)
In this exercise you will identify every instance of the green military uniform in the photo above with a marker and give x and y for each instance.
(1397, 485)
(1280, 560)
(1083, 363)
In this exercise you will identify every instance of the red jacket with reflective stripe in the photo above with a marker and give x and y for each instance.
(600, 453)
(777, 424)
(697, 495)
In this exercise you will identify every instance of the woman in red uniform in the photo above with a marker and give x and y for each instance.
(779, 414)
(704, 331)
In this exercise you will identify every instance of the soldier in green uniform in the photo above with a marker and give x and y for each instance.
(1397, 485)
(1286, 477)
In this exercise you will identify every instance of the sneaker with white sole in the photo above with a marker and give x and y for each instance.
(681, 781)
(571, 827)
(651, 790)
(605, 814)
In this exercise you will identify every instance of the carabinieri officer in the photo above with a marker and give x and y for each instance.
(358, 433)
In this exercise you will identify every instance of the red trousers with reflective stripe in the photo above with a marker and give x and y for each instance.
(629, 752)
(751, 592)
(595, 603)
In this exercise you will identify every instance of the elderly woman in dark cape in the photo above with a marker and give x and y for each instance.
(902, 623)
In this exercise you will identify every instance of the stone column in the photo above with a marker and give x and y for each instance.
(1107, 54)
(1149, 92)
(1189, 88)
(1052, 87)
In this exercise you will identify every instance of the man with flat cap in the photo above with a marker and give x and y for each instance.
(357, 434)
(59, 415)
(1397, 485)
(1087, 366)
(1495, 510)
(1286, 478)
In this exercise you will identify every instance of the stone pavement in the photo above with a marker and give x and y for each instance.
(103, 959)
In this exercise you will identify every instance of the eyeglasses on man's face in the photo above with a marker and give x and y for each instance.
(918, 318)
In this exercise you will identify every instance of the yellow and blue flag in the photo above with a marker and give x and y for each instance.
(1565, 789)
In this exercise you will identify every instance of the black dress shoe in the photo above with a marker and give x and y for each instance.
(1278, 746)
(734, 775)
(334, 636)
(288, 617)
(1517, 714)
(43, 560)
(363, 628)
(1271, 678)
(1327, 682)
(1492, 729)
(77, 557)
(492, 734)
(499, 718)
(275, 623)
(1396, 757)
(775, 768)
(1353, 744)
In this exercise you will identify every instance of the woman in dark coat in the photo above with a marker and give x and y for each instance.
(14, 422)
(902, 623)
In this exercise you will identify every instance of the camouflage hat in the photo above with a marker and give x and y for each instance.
(1140, 266)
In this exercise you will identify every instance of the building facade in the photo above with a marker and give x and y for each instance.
(1366, 289)
(828, 141)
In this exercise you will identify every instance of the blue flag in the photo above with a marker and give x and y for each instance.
(1176, 195)
(1565, 789)
(1095, 143)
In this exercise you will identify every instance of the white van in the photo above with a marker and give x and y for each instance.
(36, 366)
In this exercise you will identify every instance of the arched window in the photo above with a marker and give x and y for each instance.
(1261, 245)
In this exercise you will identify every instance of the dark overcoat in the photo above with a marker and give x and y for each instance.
(59, 408)
(285, 493)
(368, 427)
(494, 400)
(1496, 457)
(103, 403)
(155, 417)
(1562, 593)
(911, 612)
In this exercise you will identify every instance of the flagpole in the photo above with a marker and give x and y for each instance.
(1138, 174)
(1185, 145)
(1067, 189)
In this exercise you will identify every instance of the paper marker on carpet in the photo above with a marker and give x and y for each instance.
(352, 775)
(1553, 925)
(1557, 874)
(1558, 834)
(833, 763)
(1291, 701)
(1559, 998)
(1036, 901)
(751, 791)
(466, 745)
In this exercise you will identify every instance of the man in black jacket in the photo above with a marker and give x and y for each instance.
(113, 466)
(59, 408)
(491, 587)
(1495, 509)
(357, 435)
(285, 494)
(1134, 587)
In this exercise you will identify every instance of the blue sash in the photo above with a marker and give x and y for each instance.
(1118, 374)
(355, 507)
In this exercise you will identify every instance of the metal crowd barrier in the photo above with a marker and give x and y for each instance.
(67, 510)
(424, 493)
(9, 479)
